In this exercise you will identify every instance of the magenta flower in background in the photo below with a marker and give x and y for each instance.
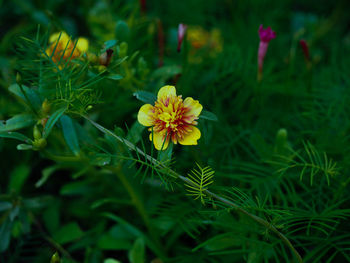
(265, 37)
(305, 48)
(181, 31)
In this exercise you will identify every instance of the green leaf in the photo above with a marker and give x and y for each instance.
(135, 132)
(31, 94)
(137, 252)
(45, 174)
(165, 155)
(111, 260)
(5, 206)
(208, 116)
(18, 177)
(166, 72)
(134, 231)
(100, 159)
(145, 96)
(114, 76)
(5, 234)
(51, 218)
(68, 233)
(70, 134)
(15, 135)
(24, 147)
(36, 202)
(109, 44)
(17, 122)
(107, 242)
(109, 201)
(52, 120)
(75, 188)
(122, 30)
(220, 242)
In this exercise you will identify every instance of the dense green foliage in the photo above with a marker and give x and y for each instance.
(268, 181)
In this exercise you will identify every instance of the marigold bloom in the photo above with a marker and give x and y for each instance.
(265, 37)
(204, 43)
(197, 36)
(61, 47)
(171, 118)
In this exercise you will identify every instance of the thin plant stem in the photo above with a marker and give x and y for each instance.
(229, 203)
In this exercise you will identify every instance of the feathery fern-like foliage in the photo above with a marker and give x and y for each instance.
(199, 181)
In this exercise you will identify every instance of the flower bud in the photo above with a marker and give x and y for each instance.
(55, 258)
(265, 35)
(180, 35)
(105, 58)
(46, 107)
(39, 144)
(18, 78)
(36, 133)
(281, 141)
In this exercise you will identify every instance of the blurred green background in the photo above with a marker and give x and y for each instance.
(311, 103)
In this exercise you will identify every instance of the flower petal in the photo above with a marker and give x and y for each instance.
(62, 36)
(166, 91)
(195, 108)
(144, 116)
(83, 44)
(191, 138)
(159, 138)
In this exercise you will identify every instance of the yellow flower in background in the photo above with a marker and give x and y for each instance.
(197, 36)
(61, 47)
(171, 118)
(204, 43)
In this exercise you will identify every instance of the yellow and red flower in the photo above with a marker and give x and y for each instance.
(171, 118)
(61, 47)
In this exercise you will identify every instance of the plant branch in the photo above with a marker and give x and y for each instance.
(172, 173)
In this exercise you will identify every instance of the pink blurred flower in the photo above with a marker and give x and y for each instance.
(181, 31)
(265, 37)
(266, 34)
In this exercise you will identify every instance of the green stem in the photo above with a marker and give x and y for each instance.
(229, 203)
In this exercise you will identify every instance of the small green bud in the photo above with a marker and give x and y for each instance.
(282, 135)
(55, 258)
(281, 142)
(46, 107)
(39, 144)
(36, 133)
(18, 78)
(89, 107)
(123, 49)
